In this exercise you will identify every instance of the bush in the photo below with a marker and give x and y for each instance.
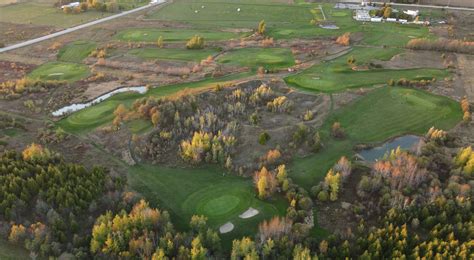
(196, 42)
(263, 138)
(323, 196)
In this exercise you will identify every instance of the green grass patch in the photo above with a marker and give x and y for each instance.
(337, 75)
(40, 12)
(381, 114)
(270, 58)
(76, 51)
(173, 54)
(173, 35)
(10, 251)
(60, 71)
(207, 191)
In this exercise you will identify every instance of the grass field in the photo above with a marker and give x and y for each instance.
(42, 12)
(173, 35)
(102, 113)
(186, 192)
(60, 71)
(337, 75)
(76, 51)
(173, 54)
(12, 252)
(383, 113)
(269, 58)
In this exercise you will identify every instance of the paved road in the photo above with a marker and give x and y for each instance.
(431, 6)
(73, 29)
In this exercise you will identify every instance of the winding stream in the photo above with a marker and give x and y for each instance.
(76, 107)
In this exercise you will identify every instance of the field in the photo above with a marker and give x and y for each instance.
(173, 35)
(206, 191)
(44, 13)
(173, 54)
(384, 113)
(337, 75)
(60, 71)
(76, 51)
(270, 58)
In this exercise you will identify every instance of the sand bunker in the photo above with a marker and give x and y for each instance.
(251, 212)
(226, 228)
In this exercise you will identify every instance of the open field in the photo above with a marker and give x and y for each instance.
(173, 54)
(173, 35)
(383, 113)
(185, 192)
(60, 71)
(44, 13)
(337, 75)
(76, 51)
(270, 58)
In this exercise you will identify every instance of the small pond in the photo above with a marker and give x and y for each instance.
(76, 107)
(405, 142)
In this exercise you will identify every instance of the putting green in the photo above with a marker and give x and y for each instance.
(60, 71)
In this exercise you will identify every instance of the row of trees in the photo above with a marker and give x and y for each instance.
(444, 45)
(14, 89)
(466, 109)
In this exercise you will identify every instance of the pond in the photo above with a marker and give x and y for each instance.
(76, 107)
(405, 142)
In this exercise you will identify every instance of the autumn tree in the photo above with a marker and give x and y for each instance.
(196, 42)
(337, 131)
(34, 151)
(275, 228)
(244, 248)
(265, 183)
(261, 27)
(159, 42)
(344, 39)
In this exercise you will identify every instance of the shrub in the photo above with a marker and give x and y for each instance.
(323, 196)
(263, 138)
(344, 39)
(196, 42)
(337, 131)
(261, 27)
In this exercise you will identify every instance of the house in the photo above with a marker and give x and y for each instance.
(393, 20)
(71, 5)
(412, 13)
(403, 21)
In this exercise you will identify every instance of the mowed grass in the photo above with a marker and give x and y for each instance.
(60, 71)
(102, 113)
(173, 35)
(226, 14)
(173, 54)
(10, 251)
(42, 12)
(382, 114)
(337, 75)
(76, 51)
(270, 58)
(207, 191)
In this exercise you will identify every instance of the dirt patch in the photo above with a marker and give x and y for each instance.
(413, 60)
(13, 70)
(13, 33)
(97, 89)
(465, 78)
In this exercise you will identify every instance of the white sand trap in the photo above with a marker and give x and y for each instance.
(226, 228)
(251, 212)
(56, 74)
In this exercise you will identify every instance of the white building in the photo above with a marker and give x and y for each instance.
(71, 5)
(412, 13)
(362, 15)
(393, 20)
(376, 19)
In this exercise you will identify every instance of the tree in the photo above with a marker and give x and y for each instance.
(337, 131)
(387, 12)
(244, 249)
(281, 173)
(159, 42)
(17, 234)
(333, 181)
(198, 252)
(261, 27)
(263, 138)
(196, 42)
(34, 151)
(265, 182)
